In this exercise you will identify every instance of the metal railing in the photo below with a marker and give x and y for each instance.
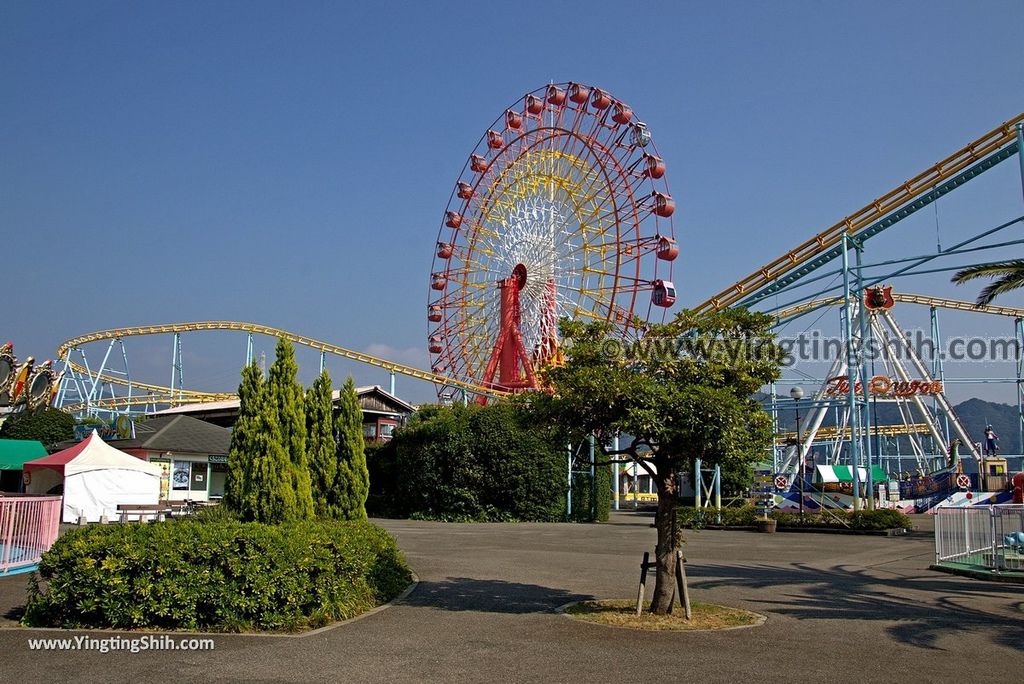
(28, 527)
(989, 537)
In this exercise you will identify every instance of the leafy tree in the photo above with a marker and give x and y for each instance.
(45, 424)
(242, 454)
(286, 405)
(1009, 276)
(321, 447)
(351, 479)
(681, 404)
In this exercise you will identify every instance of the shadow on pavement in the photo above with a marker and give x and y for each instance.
(925, 609)
(489, 596)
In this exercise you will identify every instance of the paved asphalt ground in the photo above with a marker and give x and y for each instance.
(840, 609)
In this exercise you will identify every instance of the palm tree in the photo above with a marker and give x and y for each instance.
(1009, 274)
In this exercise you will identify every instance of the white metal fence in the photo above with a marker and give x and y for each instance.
(990, 537)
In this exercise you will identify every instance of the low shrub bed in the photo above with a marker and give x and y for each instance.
(746, 516)
(215, 576)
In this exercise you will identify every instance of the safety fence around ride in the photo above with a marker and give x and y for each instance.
(980, 537)
(28, 527)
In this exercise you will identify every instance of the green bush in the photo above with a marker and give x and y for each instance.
(738, 516)
(470, 463)
(745, 516)
(217, 576)
(879, 520)
(837, 519)
(44, 424)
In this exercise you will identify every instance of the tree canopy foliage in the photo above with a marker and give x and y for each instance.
(45, 424)
(684, 391)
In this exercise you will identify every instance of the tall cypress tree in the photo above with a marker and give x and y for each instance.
(285, 395)
(258, 485)
(237, 484)
(273, 497)
(352, 481)
(320, 443)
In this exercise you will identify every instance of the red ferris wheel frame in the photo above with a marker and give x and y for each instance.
(562, 209)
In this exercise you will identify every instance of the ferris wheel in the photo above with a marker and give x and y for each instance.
(562, 210)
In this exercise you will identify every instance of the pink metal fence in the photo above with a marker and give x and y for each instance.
(28, 527)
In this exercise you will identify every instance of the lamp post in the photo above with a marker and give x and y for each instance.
(797, 393)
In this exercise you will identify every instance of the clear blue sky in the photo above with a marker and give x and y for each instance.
(289, 163)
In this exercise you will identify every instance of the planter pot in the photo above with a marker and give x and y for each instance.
(767, 526)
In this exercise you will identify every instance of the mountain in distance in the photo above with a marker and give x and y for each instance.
(975, 414)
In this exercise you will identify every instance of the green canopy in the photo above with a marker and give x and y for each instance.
(827, 473)
(14, 452)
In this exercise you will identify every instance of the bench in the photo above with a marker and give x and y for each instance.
(125, 511)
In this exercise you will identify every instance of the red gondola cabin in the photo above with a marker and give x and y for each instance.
(664, 293)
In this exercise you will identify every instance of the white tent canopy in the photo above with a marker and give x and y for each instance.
(97, 477)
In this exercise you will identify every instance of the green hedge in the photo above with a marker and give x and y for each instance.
(464, 463)
(216, 576)
(745, 516)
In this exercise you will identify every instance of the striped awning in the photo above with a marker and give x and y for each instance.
(828, 473)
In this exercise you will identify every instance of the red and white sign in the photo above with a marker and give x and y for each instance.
(781, 482)
(963, 481)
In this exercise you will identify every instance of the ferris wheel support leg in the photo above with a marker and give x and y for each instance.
(851, 372)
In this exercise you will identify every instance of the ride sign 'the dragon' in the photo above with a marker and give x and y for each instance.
(883, 386)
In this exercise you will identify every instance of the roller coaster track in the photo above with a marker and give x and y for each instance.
(999, 140)
(166, 395)
(906, 298)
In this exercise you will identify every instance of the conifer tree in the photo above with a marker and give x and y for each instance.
(273, 498)
(258, 485)
(285, 397)
(237, 484)
(352, 481)
(320, 443)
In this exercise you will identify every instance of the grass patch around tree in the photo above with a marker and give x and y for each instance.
(622, 613)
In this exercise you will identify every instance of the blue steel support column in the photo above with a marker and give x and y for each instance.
(323, 354)
(937, 370)
(248, 350)
(615, 472)
(1020, 158)
(1019, 337)
(775, 430)
(851, 372)
(568, 496)
(127, 375)
(698, 480)
(718, 494)
(392, 382)
(863, 372)
(593, 477)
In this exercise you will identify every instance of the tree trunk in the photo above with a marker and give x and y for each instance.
(668, 542)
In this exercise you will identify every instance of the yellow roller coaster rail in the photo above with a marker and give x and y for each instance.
(831, 433)
(168, 395)
(892, 200)
(906, 298)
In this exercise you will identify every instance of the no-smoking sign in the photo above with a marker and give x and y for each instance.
(781, 482)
